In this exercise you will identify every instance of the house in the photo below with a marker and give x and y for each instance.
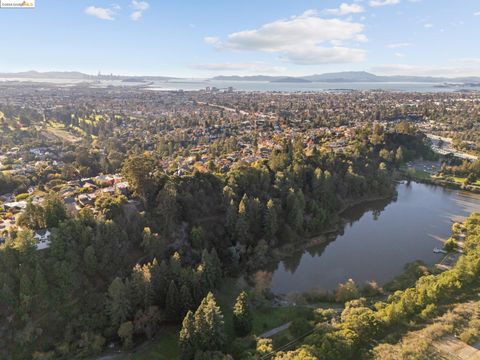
(43, 239)
(122, 187)
(105, 180)
(15, 206)
(70, 205)
(86, 199)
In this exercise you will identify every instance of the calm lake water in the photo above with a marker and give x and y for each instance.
(380, 238)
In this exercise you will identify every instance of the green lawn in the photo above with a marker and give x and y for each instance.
(461, 180)
(163, 347)
(419, 174)
(268, 318)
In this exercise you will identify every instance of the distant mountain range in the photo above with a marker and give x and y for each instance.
(349, 77)
(75, 75)
(337, 77)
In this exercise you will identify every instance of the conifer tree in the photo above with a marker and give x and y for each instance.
(188, 337)
(242, 233)
(209, 325)
(173, 307)
(186, 299)
(242, 316)
(231, 221)
(118, 304)
(270, 225)
(159, 283)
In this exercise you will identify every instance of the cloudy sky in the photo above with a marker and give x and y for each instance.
(200, 38)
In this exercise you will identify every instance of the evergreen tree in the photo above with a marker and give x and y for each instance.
(173, 306)
(55, 211)
(152, 244)
(118, 304)
(295, 210)
(41, 286)
(188, 337)
(142, 286)
(212, 267)
(26, 293)
(90, 260)
(159, 282)
(270, 225)
(199, 283)
(209, 325)
(231, 221)
(242, 316)
(186, 299)
(242, 233)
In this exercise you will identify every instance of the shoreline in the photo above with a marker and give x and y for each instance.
(332, 232)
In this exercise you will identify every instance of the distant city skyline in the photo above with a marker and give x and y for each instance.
(271, 37)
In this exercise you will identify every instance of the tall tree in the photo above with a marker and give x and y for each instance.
(139, 172)
(118, 304)
(242, 231)
(173, 307)
(270, 225)
(186, 299)
(55, 211)
(209, 325)
(188, 337)
(242, 316)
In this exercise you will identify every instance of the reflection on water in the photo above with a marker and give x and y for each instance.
(379, 239)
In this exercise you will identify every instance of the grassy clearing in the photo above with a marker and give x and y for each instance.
(58, 131)
(419, 174)
(461, 180)
(268, 318)
(163, 347)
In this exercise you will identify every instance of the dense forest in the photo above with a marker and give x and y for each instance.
(123, 274)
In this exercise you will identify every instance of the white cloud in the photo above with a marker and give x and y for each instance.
(410, 70)
(211, 40)
(139, 7)
(378, 3)
(320, 55)
(246, 67)
(101, 13)
(397, 45)
(399, 54)
(476, 13)
(428, 26)
(345, 9)
(136, 15)
(301, 39)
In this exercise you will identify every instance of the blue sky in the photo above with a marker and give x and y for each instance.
(201, 38)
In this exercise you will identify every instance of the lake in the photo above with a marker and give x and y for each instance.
(379, 239)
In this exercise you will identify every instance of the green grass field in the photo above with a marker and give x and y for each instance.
(461, 180)
(163, 347)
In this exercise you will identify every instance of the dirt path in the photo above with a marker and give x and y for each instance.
(276, 330)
